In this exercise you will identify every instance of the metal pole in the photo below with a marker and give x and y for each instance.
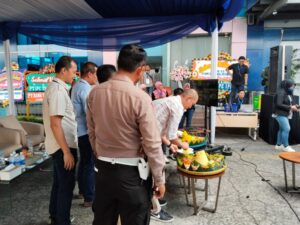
(285, 176)
(294, 179)
(10, 87)
(214, 64)
(165, 76)
(194, 196)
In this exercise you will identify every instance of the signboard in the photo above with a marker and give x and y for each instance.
(202, 70)
(18, 85)
(35, 97)
(37, 85)
(38, 82)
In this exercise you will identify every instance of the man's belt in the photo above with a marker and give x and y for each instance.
(121, 161)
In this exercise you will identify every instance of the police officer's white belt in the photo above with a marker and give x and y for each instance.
(121, 161)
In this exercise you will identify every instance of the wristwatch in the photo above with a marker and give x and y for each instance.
(169, 145)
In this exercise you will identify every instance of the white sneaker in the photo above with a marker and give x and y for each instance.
(288, 149)
(279, 147)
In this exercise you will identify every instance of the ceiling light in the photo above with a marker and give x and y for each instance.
(274, 13)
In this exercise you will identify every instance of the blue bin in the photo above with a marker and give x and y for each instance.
(226, 107)
(234, 107)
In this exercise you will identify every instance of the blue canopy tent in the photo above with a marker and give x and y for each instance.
(109, 24)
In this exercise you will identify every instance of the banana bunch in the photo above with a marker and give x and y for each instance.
(191, 139)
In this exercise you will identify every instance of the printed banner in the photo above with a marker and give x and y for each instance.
(201, 69)
(35, 97)
(38, 82)
(18, 85)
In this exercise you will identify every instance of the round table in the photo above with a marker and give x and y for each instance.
(193, 179)
(294, 158)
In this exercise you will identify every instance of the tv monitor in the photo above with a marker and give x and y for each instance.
(207, 91)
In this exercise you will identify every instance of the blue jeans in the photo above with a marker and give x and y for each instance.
(86, 173)
(284, 130)
(62, 189)
(188, 115)
(234, 91)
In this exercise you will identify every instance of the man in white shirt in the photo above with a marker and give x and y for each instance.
(168, 112)
(61, 139)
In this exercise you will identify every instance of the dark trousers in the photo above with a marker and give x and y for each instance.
(120, 191)
(86, 173)
(164, 148)
(188, 116)
(62, 189)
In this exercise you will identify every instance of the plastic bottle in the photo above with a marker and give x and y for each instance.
(17, 160)
(2, 160)
(30, 145)
(11, 158)
(22, 159)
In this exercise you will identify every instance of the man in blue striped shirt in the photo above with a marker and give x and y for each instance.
(80, 92)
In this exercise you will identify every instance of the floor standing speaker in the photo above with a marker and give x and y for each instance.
(280, 66)
(268, 126)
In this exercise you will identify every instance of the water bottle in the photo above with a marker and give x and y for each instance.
(30, 145)
(11, 158)
(17, 161)
(2, 160)
(22, 159)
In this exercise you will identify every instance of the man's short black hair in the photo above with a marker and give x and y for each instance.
(131, 57)
(105, 72)
(88, 67)
(178, 91)
(242, 58)
(63, 62)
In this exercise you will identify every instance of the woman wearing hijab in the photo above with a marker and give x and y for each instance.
(284, 108)
(159, 92)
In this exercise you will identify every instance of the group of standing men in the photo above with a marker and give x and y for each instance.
(119, 130)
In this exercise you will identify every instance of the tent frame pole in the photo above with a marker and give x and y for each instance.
(214, 65)
(10, 88)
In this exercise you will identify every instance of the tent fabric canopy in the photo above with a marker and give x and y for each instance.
(145, 22)
(42, 10)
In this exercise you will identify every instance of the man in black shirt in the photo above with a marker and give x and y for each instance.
(239, 80)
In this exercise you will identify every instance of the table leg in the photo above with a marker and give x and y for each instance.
(218, 192)
(189, 185)
(217, 199)
(285, 176)
(180, 180)
(194, 196)
(294, 179)
(206, 189)
(255, 134)
(185, 192)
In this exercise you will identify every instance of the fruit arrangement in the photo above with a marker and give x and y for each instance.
(200, 163)
(191, 139)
